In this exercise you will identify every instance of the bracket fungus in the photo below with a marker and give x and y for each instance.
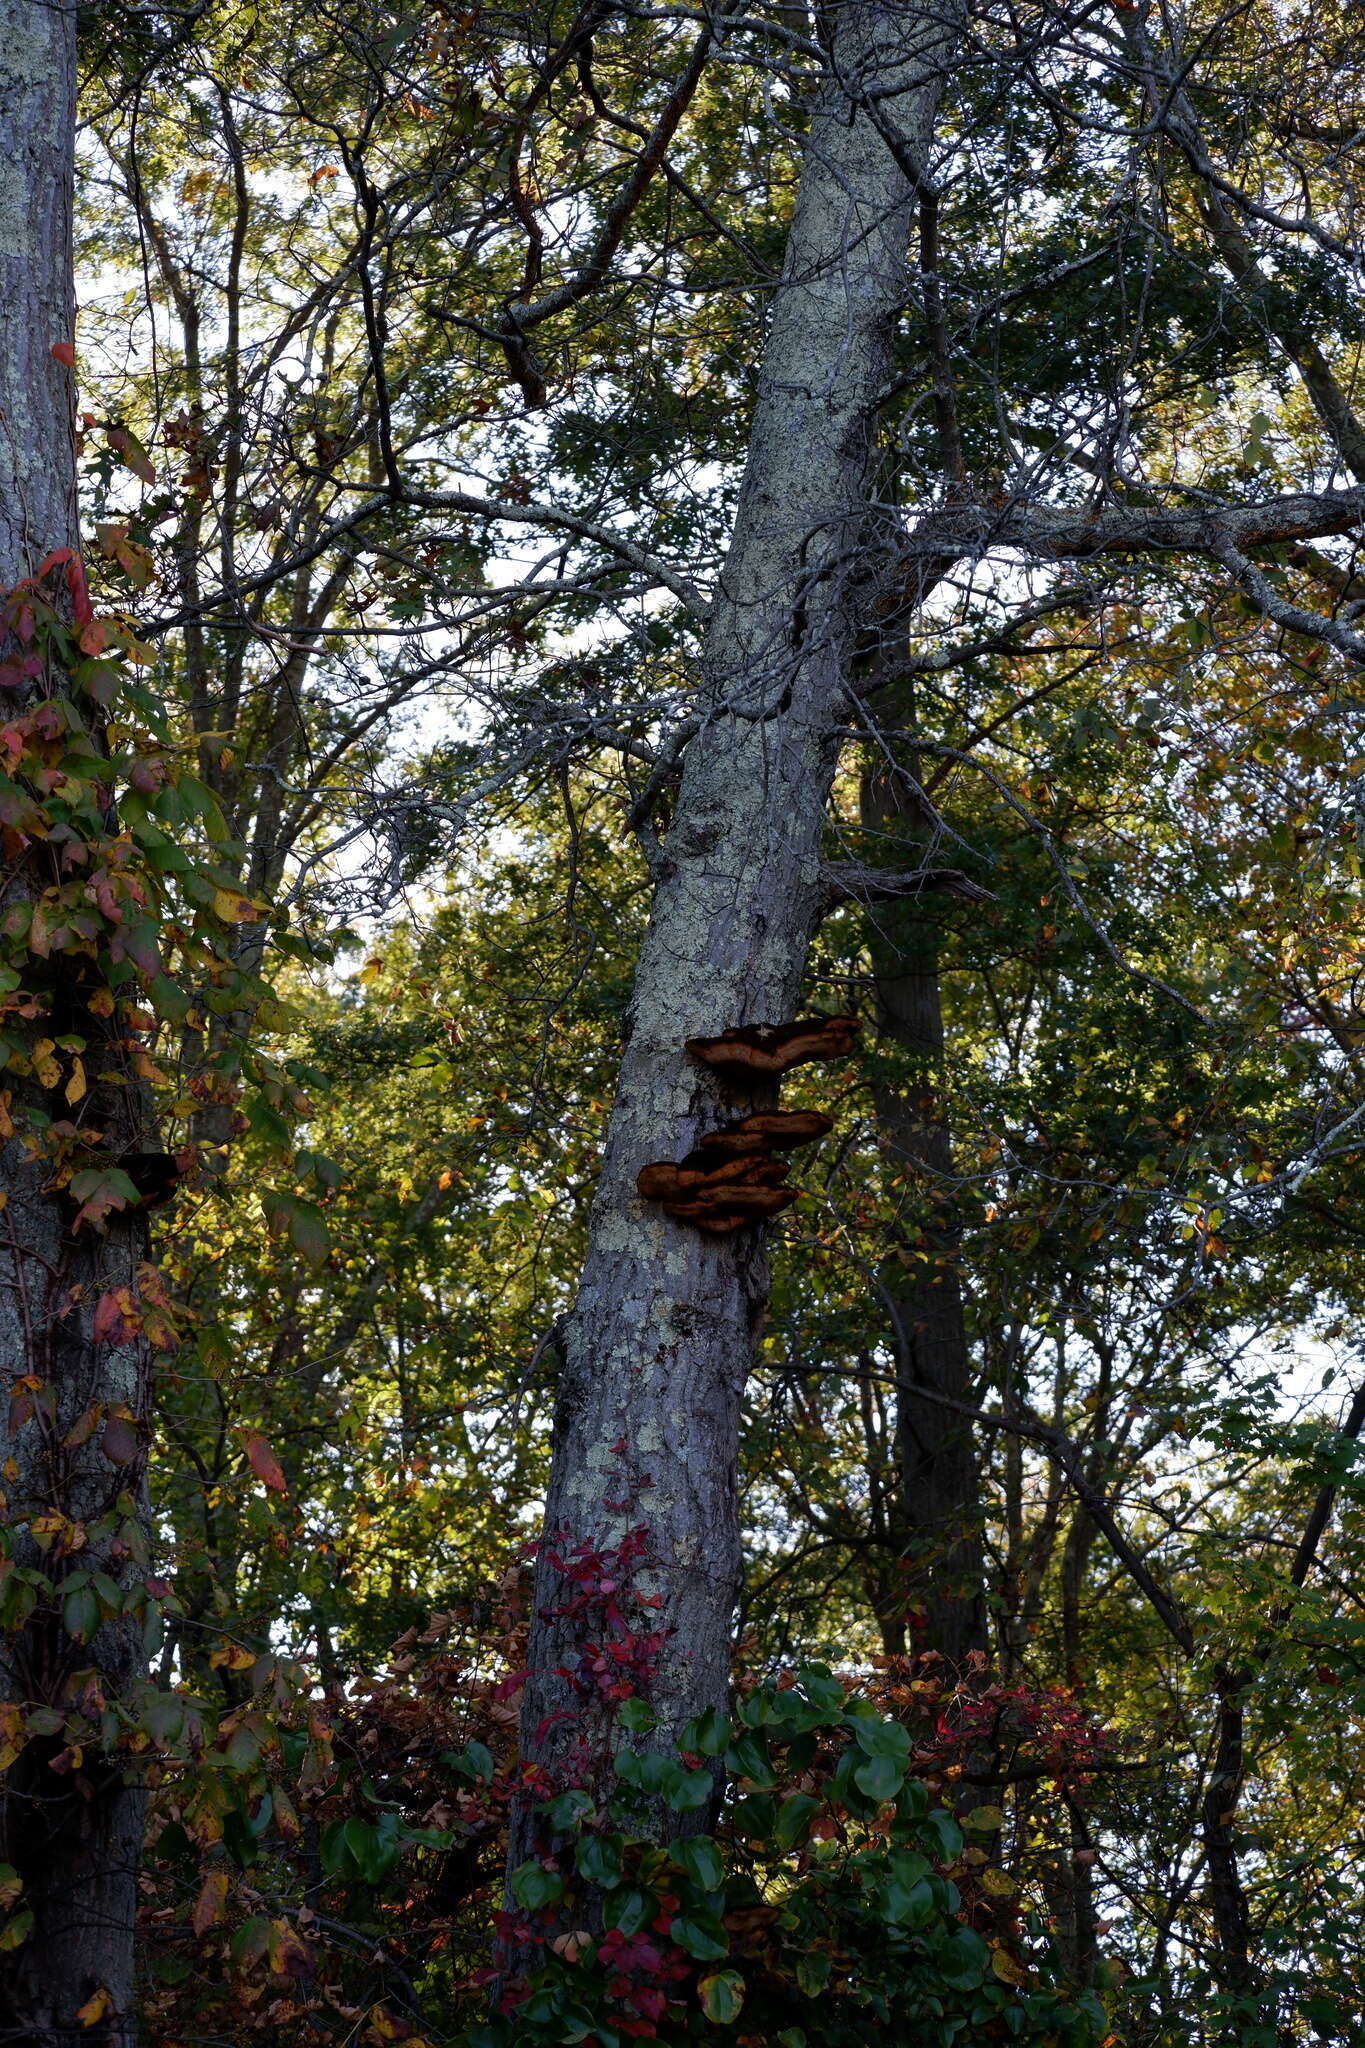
(768, 1130)
(732, 1178)
(763, 1052)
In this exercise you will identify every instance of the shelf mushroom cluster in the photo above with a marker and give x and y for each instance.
(735, 1176)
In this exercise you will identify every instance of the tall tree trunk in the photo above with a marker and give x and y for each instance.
(938, 1507)
(657, 1347)
(72, 1829)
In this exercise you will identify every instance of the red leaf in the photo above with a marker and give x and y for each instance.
(115, 1318)
(264, 1463)
(83, 612)
(65, 352)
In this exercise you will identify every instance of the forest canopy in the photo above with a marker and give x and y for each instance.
(682, 772)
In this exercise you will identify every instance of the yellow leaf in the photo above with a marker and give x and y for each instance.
(44, 1066)
(235, 908)
(997, 1884)
(96, 2008)
(1007, 1969)
(75, 1087)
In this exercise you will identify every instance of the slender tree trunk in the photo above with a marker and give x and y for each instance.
(70, 1827)
(1227, 1897)
(938, 1507)
(657, 1347)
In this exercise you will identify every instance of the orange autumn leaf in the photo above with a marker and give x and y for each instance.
(96, 2008)
(209, 1905)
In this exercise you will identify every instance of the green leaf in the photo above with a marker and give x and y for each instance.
(707, 1735)
(16, 1929)
(649, 1772)
(820, 1688)
(722, 1996)
(943, 1832)
(812, 1974)
(699, 1933)
(747, 1757)
(243, 1753)
(984, 1820)
(879, 1778)
(702, 1861)
(598, 1858)
(251, 1941)
(907, 1905)
(628, 1909)
(535, 1887)
(163, 1717)
(693, 1791)
(794, 1817)
(637, 1716)
(881, 1738)
(565, 1812)
(80, 1611)
(480, 1760)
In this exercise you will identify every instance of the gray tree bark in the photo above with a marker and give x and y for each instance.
(72, 1833)
(657, 1347)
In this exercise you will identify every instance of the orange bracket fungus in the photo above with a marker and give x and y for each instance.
(763, 1052)
(768, 1130)
(732, 1177)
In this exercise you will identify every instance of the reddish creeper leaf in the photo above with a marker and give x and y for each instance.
(115, 1317)
(64, 352)
(264, 1463)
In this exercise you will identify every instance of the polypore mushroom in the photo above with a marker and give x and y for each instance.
(763, 1052)
(721, 1210)
(732, 1178)
(716, 1193)
(767, 1130)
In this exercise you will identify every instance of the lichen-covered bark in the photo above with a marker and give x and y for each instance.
(73, 1833)
(659, 1342)
(37, 302)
